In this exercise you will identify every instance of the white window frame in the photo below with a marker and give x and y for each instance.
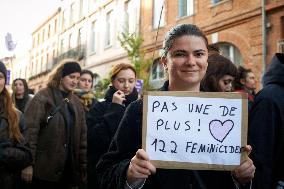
(232, 49)
(94, 37)
(64, 19)
(189, 8)
(72, 13)
(72, 41)
(158, 68)
(108, 28)
(126, 22)
(157, 6)
(214, 2)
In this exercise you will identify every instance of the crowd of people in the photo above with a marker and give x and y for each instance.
(63, 137)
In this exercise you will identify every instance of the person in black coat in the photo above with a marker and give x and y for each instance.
(245, 83)
(126, 165)
(266, 127)
(20, 96)
(15, 154)
(105, 116)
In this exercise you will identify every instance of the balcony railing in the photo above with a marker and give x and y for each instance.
(77, 53)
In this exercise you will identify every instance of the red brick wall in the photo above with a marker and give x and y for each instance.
(236, 21)
(275, 10)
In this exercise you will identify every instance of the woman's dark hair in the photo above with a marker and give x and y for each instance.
(26, 90)
(242, 74)
(213, 48)
(179, 31)
(118, 67)
(90, 73)
(218, 66)
(56, 75)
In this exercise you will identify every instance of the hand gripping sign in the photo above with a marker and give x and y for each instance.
(187, 130)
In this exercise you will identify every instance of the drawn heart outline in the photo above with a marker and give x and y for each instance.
(220, 130)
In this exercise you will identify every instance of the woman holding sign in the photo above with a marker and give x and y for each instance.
(126, 165)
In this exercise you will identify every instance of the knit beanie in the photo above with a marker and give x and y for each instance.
(70, 67)
(3, 69)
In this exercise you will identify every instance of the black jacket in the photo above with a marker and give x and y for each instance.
(103, 121)
(14, 155)
(266, 127)
(113, 165)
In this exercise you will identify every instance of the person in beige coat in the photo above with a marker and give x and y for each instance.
(57, 132)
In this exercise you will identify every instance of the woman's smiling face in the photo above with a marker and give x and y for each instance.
(186, 61)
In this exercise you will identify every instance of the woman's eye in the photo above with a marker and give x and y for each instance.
(199, 54)
(180, 54)
(227, 82)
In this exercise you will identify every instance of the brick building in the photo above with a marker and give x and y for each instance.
(274, 28)
(235, 25)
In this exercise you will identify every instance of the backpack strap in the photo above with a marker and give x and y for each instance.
(55, 110)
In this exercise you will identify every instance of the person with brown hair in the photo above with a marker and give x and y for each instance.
(57, 131)
(20, 95)
(245, 83)
(15, 153)
(220, 74)
(106, 115)
(126, 165)
(85, 90)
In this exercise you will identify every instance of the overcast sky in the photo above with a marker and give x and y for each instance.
(21, 18)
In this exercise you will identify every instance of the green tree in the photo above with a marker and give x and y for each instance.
(101, 87)
(132, 44)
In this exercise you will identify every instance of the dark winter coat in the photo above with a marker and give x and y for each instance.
(14, 155)
(102, 125)
(266, 127)
(112, 167)
(63, 138)
(21, 104)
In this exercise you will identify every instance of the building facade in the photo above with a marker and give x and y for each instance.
(87, 31)
(44, 51)
(107, 20)
(234, 25)
(274, 28)
(248, 32)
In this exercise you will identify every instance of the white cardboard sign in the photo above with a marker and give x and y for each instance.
(195, 130)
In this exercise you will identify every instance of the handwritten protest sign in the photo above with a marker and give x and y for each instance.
(195, 130)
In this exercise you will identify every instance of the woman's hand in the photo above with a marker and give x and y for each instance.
(27, 174)
(245, 172)
(118, 97)
(140, 167)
